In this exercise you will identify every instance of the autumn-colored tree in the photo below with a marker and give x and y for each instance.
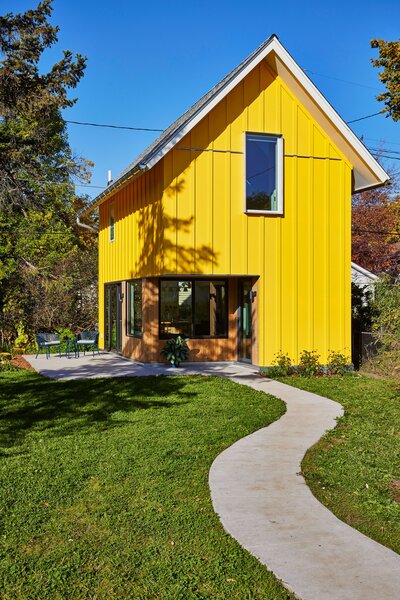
(389, 59)
(376, 228)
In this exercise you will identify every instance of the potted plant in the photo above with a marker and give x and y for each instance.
(176, 350)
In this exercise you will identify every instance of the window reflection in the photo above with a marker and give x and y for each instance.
(193, 308)
(176, 307)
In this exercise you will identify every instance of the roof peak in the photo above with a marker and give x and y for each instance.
(181, 126)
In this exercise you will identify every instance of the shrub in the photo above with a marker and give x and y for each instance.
(386, 317)
(337, 363)
(281, 366)
(176, 350)
(22, 338)
(309, 364)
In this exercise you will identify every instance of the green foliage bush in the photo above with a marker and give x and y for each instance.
(386, 312)
(22, 338)
(309, 364)
(281, 366)
(65, 334)
(338, 363)
(385, 359)
(176, 350)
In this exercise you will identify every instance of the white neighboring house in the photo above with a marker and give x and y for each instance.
(363, 279)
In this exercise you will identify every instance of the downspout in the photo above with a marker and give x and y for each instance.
(84, 226)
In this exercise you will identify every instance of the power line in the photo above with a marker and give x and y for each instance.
(384, 150)
(129, 128)
(383, 141)
(99, 187)
(389, 157)
(113, 126)
(377, 232)
(366, 117)
(34, 233)
(343, 80)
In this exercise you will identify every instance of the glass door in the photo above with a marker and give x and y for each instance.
(245, 321)
(113, 317)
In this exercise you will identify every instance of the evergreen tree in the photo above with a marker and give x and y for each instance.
(40, 247)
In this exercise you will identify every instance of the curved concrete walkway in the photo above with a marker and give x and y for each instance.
(261, 498)
(265, 504)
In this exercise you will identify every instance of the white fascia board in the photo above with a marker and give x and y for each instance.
(187, 127)
(331, 113)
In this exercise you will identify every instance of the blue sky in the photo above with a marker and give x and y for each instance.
(148, 62)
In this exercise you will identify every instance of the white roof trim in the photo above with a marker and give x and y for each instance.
(364, 272)
(275, 46)
(331, 113)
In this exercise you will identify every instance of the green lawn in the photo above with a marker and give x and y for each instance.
(353, 470)
(104, 493)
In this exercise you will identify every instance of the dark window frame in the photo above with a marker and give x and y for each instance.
(192, 280)
(128, 315)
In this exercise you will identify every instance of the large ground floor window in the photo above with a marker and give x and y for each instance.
(194, 308)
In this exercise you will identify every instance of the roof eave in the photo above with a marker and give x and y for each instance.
(114, 187)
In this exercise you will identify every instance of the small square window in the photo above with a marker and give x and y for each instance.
(264, 173)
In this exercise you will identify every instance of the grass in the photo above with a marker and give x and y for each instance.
(384, 364)
(355, 469)
(104, 488)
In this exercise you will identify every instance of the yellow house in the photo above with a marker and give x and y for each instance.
(234, 227)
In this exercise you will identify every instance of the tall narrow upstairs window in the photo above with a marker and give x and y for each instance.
(112, 224)
(264, 174)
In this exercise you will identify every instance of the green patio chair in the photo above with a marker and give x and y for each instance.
(46, 341)
(87, 340)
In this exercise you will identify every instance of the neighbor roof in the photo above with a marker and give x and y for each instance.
(367, 171)
(364, 272)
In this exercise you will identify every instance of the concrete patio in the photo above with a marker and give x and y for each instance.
(106, 364)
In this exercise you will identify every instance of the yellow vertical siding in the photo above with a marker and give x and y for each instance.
(185, 208)
(236, 121)
(186, 215)
(221, 191)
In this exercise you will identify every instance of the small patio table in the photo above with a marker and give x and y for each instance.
(70, 347)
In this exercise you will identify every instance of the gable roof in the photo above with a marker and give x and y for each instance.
(367, 171)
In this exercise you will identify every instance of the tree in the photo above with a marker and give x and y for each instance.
(35, 155)
(389, 59)
(386, 312)
(376, 228)
(41, 249)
